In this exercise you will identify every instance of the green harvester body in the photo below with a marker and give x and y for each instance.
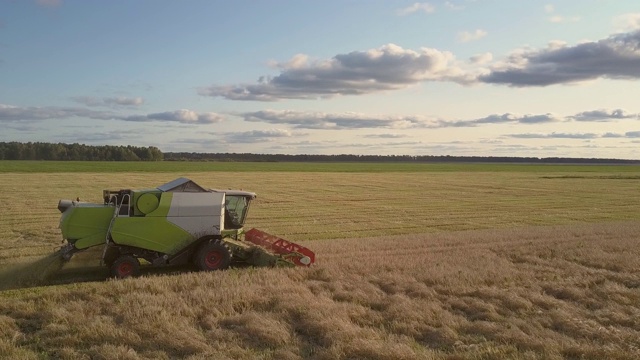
(176, 223)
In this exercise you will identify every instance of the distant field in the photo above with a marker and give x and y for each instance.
(415, 261)
(326, 205)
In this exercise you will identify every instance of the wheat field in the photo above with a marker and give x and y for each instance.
(410, 265)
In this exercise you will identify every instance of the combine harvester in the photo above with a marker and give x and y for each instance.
(176, 223)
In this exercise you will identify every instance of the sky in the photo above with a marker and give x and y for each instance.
(456, 77)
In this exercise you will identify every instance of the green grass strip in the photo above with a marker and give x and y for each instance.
(19, 166)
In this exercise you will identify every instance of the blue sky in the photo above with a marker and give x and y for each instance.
(457, 77)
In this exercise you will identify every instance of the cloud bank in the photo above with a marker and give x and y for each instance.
(17, 113)
(577, 136)
(109, 101)
(335, 121)
(627, 22)
(392, 67)
(343, 121)
(257, 136)
(389, 67)
(185, 116)
(603, 115)
(616, 57)
(307, 119)
(182, 116)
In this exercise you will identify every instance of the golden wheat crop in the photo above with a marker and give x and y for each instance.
(410, 266)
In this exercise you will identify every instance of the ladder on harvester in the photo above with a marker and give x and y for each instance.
(107, 238)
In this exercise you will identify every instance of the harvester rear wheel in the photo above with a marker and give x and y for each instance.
(125, 266)
(213, 255)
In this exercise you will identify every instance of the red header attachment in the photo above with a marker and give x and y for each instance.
(293, 252)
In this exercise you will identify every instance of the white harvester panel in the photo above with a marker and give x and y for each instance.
(199, 213)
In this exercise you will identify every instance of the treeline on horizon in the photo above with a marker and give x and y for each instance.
(248, 157)
(82, 152)
(77, 152)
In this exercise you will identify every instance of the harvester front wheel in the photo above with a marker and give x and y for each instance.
(125, 266)
(213, 255)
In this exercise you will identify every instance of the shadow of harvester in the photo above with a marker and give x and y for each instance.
(83, 267)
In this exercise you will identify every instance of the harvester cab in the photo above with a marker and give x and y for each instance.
(176, 223)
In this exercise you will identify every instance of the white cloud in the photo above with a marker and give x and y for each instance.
(341, 121)
(576, 136)
(506, 118)
(466, 36)
(417, 7)
(352, 120)
(18, 113)
(209, 118)
(308, 119)
(386, 136)
(616, 57)
(337, 121)
(32, 113)
(603, 115)
(257, 136)
(480, 59)
(556, 18)
(109, 101)
(627, 22)
(124, 101)
(184, 116)
(389, 67)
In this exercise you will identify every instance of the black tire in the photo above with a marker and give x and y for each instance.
(213, 255)
(125, 266)
(111, 255)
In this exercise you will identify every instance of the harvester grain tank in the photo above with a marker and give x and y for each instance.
(176, 223)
